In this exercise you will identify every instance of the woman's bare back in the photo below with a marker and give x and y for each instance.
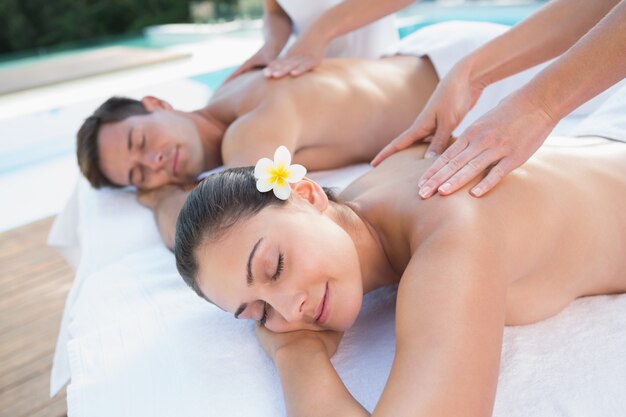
(559, 221)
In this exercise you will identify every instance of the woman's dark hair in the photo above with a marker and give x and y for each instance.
(213, 207)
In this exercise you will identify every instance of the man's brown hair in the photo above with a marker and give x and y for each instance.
(113, 110)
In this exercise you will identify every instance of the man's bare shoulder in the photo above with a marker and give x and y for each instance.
(257, 134)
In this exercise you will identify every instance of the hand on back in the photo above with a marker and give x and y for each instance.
(305, 54)
(451, 101)
(260, 59)
(500, 141)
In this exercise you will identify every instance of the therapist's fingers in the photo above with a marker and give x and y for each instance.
(279, 68)
(245, 67)
(495, 175)
(302, 67)
(447, 157)
(419, 131)
(440, 139)
(471, 170)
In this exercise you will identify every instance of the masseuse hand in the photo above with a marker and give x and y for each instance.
(260, 59)
(306, 341)
(501, 140)
(304, 55)
(451, 101)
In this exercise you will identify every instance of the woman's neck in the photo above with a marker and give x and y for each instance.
(376, 269)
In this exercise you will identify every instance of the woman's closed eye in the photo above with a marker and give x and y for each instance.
(267, 309)
(280, 265)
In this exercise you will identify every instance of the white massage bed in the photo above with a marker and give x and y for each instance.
(135, 341)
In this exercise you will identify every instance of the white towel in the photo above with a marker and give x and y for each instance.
(145, 345)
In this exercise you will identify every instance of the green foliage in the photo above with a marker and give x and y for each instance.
(29, 24)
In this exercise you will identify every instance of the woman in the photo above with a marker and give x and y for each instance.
(465, 268)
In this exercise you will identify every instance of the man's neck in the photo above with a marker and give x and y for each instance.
(211, 131)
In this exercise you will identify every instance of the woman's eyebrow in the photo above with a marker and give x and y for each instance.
(249, 277)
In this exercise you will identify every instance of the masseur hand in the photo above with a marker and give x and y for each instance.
(453, 98)
(305, 341)
(264, 56)
(304, 55)
(500, 141)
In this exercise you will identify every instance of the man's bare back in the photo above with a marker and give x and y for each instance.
(342, 113)
(558, 222)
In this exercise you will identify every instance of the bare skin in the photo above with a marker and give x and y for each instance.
(342, 113)
(465, 268)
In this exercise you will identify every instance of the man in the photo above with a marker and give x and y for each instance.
(342, 113)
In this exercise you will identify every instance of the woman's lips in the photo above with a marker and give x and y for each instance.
(324, 308)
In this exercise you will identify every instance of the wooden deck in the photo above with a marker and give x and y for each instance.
(34, 281)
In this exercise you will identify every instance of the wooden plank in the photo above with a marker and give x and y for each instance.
(55, 407)
(34, 282)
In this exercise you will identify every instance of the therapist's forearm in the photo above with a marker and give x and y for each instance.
(277, 26)
(545, 35)
(312, 387)
(350, 15)
(591, 66)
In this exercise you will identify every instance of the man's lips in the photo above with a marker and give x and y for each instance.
(322, 311)
(175, 161)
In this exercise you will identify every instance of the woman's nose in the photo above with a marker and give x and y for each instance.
(292, 306)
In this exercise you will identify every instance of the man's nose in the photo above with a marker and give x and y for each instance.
(153, 159)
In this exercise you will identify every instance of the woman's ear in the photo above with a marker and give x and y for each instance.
(311, 192)
(152, 103)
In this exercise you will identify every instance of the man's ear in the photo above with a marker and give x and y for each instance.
(152, 103)
(311, 192)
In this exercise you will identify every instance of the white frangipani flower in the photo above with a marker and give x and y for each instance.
(278, 174)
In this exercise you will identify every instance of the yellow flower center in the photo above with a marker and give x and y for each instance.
(278, 175)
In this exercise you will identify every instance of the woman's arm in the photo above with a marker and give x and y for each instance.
(449, 322)
(308, 51)
(311, 386)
